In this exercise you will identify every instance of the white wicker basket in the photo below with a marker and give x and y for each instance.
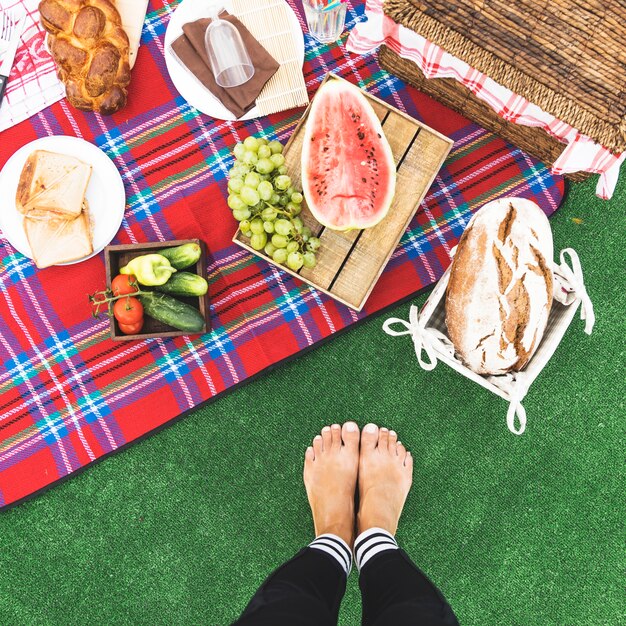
(429, 334)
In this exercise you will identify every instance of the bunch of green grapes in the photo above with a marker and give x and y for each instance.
(267, 206)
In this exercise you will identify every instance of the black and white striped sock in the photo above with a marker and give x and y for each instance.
(370, 543)
(336, 547)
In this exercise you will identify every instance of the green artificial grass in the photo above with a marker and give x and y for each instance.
(183, 527)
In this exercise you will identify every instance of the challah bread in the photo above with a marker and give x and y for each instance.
(500, 290)
(91, 49)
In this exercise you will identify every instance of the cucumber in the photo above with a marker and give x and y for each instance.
(183, 256)
(185, 284)
(173, 312)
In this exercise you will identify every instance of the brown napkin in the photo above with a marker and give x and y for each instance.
(189, 48)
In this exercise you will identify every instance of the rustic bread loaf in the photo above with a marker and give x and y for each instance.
(91, 49)
(499, 294)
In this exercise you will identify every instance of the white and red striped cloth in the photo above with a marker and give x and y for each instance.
(33, 84)
(580, 154)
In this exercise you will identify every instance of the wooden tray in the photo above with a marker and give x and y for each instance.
(118, 256)
(350, 263)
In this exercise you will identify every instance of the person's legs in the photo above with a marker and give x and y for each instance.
(306, 590)
(309, 588)
(394, 590)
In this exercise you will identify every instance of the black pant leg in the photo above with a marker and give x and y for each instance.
(396, 593)
(305, 591)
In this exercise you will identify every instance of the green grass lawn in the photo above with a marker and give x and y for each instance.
(183, 527)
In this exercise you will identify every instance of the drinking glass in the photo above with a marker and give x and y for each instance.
(228, 55)
(325, 19)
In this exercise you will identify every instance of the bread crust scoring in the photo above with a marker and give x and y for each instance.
(500, 290)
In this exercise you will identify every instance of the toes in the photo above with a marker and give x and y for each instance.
(369, 437)
(350, 435)
(401, 451)
(336, 435)
(383, 439)
(408, 461)
(326, 437)
(309, 455)
(393, 442)
(318, 445)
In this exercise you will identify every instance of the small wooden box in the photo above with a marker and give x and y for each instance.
(350, 263)
(118, 256)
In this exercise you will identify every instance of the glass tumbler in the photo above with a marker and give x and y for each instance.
(325, 18)
(228, 55)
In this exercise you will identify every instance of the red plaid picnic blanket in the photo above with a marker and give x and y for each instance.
(69, 396)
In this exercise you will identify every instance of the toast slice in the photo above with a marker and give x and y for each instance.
(52, 182)
(56, 240)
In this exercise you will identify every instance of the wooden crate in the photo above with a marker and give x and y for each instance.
(116, 257)
(350, 263)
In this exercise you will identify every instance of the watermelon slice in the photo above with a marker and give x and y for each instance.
(348, 170)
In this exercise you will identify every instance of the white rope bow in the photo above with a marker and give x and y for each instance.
(424, 339)
(572, 281)
(517, 392)
(570, 288)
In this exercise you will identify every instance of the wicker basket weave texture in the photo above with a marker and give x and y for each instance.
(566, 56)
(533, 140)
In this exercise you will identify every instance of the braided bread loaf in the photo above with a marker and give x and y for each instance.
(91, 49)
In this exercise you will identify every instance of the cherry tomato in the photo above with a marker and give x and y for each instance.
(132, 329)
(128, 310)
(120, 285)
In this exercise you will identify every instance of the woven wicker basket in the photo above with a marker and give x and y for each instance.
(566, 56)
(453, 94)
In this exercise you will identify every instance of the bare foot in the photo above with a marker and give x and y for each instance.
(330, 471)
(385, 477)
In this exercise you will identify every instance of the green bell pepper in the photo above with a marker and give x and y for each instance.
(151, 270)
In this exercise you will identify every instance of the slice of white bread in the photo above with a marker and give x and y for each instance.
(52, 182)
(55, 240)
(133, 14)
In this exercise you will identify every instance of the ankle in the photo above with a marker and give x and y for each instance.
(376, 520)
(343, 531)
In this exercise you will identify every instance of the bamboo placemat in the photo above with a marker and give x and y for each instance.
(269, 22)
(566, 56)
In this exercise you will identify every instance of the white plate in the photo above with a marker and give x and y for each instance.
(187, 84)
(105, 192)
